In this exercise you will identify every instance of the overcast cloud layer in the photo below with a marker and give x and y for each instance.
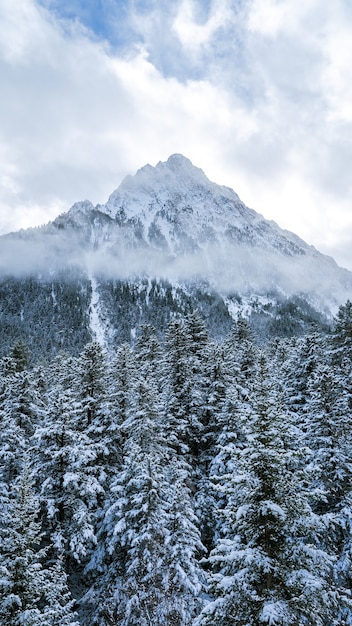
(257, 93)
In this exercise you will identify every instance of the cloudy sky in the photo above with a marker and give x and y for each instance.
(258, 93)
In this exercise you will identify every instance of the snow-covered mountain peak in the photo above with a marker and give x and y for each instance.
(84, 207)
(170, 221)
(178, 161)
(176, 208)
(174, 182)
(177, 172)
(182, 170)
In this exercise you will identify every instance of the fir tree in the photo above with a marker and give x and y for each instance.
(149, 565)
(134, 526)
(20, 356)
(342, 334)
(270, 568)
(67, 467)
(30, 593)
(91, 385)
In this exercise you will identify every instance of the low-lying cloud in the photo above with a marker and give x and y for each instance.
(227, 269)
(257, 94)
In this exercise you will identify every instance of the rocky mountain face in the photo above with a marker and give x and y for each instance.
(167, 241)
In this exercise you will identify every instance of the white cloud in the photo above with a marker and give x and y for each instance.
(258, 94)
(194, 33)
(78, 118)
(267, 16)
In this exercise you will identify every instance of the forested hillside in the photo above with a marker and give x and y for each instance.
(179, 481)
(54, 314)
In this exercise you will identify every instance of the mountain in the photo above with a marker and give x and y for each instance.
(167, 241)
(172, 479)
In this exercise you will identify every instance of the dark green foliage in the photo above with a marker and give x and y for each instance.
(342, 334)
(286, 317)
(32, 591)
(20, 356)
(170, 442)
(46, 315)
(49, 315)
(130, 304)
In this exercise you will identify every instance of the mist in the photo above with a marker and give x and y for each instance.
(228, 269)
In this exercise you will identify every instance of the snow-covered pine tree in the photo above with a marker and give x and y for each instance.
(341, 371)
(342, 334)
(238, 365)
(148, 560)
(184, 579)
(135, 527)
(184, 383)
(31, 593)
(174, 384)
(214, 402)
(329, 435)
(269, 568)
(66, 467)
(118, 391)
(13, 441)
(240, 358)
(20, 356)
(197, 382)
(120, 380)
(231, 437)
(91, 387)
(22, 406)
(59, 605)
(303, 357)
(147, 354)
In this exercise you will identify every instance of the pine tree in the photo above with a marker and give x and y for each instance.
(342, 334)
(298, 368)
(148, 557)
(92, 386)
(196, 383)
(147, 354)
(67, 467)
(184, 383)
(184, 579)
(270, 568)
(135, 522)
(329, 435)
(30, 593)
(118, 390)
(22, 405)
(59, 605)
(174, 382)
(20, 356)
(206, 500)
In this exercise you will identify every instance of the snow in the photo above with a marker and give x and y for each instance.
(272, 613)
(244, 306)
(208, 234)
(53, 295)
(96, 324)
(267, 506)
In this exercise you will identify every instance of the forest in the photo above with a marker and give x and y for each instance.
(179, 481)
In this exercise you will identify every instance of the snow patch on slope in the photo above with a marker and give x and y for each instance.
(96, 318)
(245, 305)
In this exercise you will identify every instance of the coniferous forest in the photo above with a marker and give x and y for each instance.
(179, 481)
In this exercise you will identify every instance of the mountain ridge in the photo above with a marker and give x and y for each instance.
(170, 221)
(166, 242)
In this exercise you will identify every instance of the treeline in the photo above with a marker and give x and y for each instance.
(52, 314)
(178, 482)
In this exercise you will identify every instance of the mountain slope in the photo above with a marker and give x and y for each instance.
(170, 226)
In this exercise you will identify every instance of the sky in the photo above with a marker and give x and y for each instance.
(257, 93)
